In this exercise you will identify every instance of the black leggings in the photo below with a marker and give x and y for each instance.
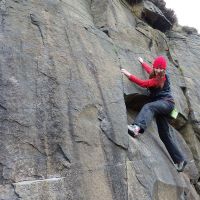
(159, 109)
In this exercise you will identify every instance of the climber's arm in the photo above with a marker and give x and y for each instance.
(147, 68)
(143, 83)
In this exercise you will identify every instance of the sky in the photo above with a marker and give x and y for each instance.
(187, 12)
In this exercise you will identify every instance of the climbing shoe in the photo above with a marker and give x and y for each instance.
(180, 166)
(133, 130)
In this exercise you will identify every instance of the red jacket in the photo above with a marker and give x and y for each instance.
(153, 82)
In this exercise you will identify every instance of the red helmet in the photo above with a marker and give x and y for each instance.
(160, 63)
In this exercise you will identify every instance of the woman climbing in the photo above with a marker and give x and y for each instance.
(161, 104)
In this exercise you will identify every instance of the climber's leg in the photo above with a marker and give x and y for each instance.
(150, 110)
(165, 136)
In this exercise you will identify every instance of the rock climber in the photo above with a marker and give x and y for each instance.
(161, 104)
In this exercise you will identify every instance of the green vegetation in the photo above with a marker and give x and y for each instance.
(132, 2)
(169, 13)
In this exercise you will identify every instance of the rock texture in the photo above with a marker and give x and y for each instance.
(64, 108)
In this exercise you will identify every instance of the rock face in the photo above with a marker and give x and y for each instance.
(64, 108)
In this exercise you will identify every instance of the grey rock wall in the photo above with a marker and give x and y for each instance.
(63, 116)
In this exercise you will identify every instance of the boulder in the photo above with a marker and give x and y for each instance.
(63, 114)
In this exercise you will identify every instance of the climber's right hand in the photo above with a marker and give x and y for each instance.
(124, 71)
(140, 60)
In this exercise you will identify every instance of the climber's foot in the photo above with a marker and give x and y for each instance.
(133, 130)
(181, 166)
